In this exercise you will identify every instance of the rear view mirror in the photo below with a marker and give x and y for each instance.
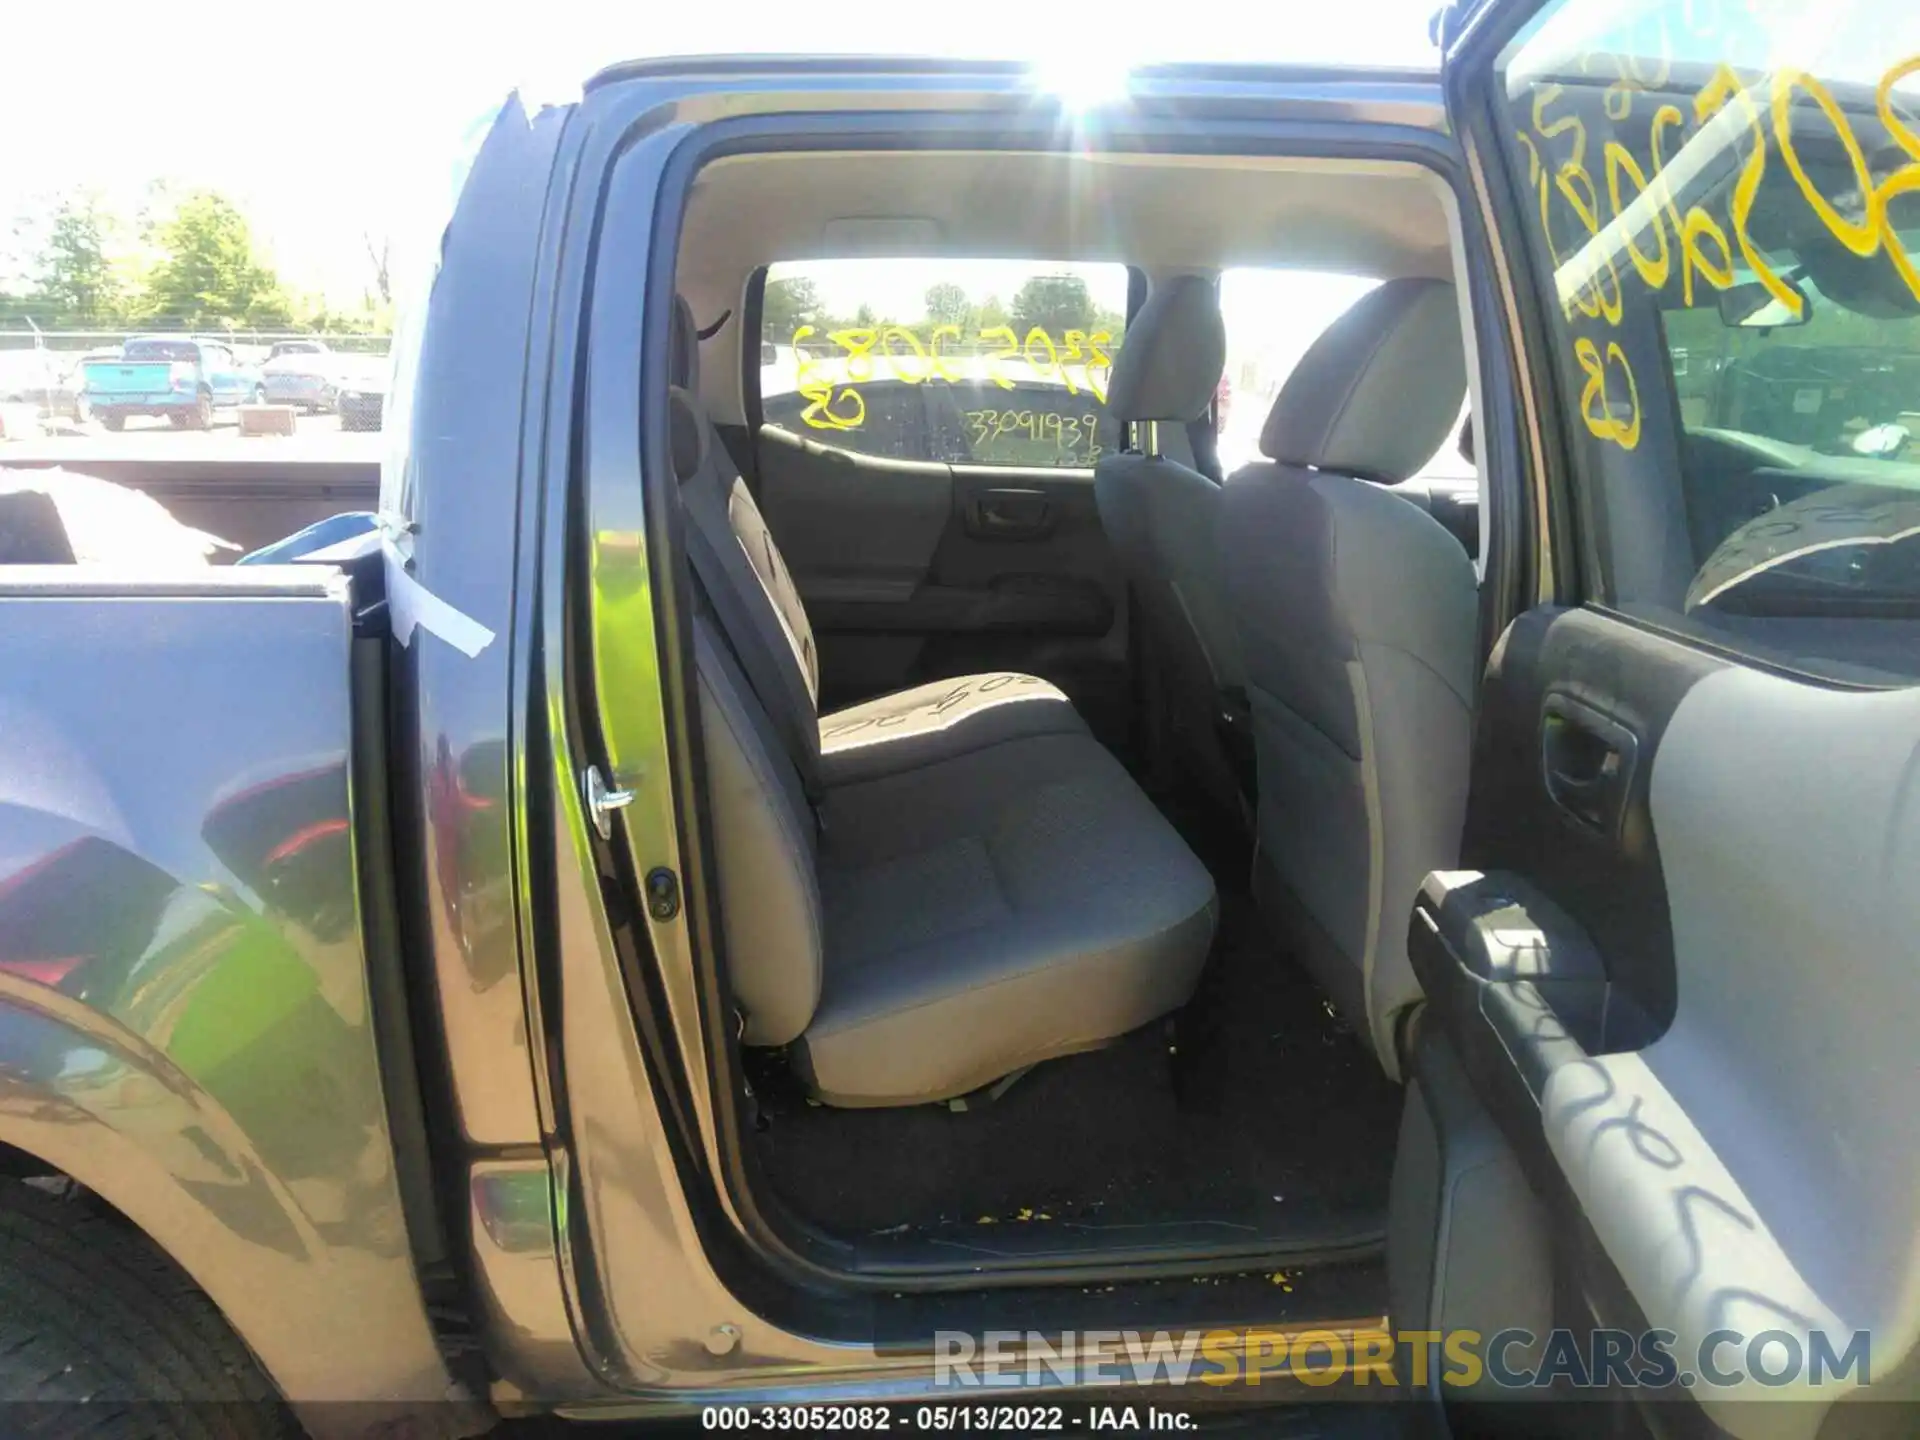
(1754, 307)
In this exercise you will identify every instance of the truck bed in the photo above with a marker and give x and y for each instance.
(251, 500)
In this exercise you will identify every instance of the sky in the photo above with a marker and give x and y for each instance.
(330, 121)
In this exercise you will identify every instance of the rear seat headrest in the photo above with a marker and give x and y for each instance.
(1175, 349)
(683, 351)
(1377, 393)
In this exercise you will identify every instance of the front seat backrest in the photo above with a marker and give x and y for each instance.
(1160, 515)
(1357, 614)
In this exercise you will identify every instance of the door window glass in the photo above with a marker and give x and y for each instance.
(965, 362)
(1723, 202)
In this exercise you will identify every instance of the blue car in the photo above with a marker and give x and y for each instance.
(184, 379)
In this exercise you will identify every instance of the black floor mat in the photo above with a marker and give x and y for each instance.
(1255, 1111)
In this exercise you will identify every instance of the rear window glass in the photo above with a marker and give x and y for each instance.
(169, 350)
(998, 363)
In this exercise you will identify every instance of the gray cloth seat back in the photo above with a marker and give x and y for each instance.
(929, 890)
(1357, 614)
(1161, 517)
(760, 734)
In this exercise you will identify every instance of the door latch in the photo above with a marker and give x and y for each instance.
(602, 802)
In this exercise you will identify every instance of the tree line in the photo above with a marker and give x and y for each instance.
(1053, 303)
(189, 261)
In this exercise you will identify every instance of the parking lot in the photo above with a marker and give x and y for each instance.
(315, 437)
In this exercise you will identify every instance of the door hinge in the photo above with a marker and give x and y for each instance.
(602, 802)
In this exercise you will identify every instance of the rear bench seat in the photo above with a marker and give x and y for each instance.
(928, 891)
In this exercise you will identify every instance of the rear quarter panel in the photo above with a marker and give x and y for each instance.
(185, 1018)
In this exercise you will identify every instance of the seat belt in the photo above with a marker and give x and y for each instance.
(746, 642)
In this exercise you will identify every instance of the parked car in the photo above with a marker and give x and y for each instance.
(188, 381)
(660, 925)
(302, 373)
(361, 395)
(26, 375)
(66, 399)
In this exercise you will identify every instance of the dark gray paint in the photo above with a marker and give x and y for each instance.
(184, 998)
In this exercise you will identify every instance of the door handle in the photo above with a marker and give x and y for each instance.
(1009, 514)
(1587, 761)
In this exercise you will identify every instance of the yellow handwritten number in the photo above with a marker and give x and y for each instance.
(819, 414)
(1596, 408)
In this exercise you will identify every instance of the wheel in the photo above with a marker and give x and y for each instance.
(95, 1313)
(201, 416)
(259, 394)
(113, 420)
(82, 411)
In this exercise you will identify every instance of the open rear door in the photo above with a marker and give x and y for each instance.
(1665, 1081)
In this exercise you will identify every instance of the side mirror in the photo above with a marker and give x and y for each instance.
(1754, 307)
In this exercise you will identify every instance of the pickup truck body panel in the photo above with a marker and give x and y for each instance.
(134, 383)
(457, 473)
(185, 1013)
(456, 482)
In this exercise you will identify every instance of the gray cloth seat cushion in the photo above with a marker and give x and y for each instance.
(992, 910)
(929, 890)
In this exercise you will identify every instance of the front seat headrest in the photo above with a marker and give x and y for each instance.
(683, 349)
(1377, 393)
(1175, 349)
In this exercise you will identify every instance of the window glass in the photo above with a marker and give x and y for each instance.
(169, 350)
(1724, 203)
(965, 362)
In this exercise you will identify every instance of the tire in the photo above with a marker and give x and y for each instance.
(259, 394)
(201, 416)
(93, 1312)
(113, 420)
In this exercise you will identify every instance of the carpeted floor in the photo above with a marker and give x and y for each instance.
(1254, 1110)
